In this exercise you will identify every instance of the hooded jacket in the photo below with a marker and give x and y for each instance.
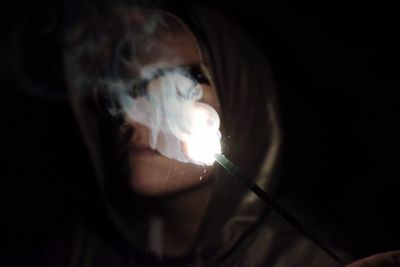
(238, 228)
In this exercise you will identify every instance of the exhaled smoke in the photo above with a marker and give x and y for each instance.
(166, 100)
(181, 126)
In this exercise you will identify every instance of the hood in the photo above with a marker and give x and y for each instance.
(250, 126)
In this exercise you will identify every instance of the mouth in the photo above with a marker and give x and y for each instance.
(143, 151)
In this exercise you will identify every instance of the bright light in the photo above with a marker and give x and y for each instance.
(203, 146)
(204, 141)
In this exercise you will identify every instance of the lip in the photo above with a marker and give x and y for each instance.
(143, 151)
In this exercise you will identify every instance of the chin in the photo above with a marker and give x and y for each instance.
(156, 176)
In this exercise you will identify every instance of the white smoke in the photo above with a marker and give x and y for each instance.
(167, 101)
(182, 128)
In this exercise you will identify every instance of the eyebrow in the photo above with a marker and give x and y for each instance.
(195, 70)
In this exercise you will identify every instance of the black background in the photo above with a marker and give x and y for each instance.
(336, 67)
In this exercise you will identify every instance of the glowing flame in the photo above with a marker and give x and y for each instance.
(204, 141)
(203, 146)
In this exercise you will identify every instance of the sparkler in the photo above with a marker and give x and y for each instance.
(204, 147)
(196, 125)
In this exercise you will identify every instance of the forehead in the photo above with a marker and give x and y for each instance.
(128, 43)
(160, 40)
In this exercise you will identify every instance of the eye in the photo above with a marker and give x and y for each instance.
(197, 72)
(139, 89)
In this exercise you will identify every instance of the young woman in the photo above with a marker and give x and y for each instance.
(161, 209)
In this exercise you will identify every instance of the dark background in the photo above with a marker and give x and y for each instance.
(336, 67)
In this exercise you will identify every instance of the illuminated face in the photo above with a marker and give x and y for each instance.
(152, 173)
(140, 50)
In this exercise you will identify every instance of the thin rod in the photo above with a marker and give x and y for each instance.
(236, 172)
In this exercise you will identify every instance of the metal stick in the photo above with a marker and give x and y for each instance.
(236, 172)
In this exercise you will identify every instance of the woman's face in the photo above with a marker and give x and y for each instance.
(150, 172)
(153, 42)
